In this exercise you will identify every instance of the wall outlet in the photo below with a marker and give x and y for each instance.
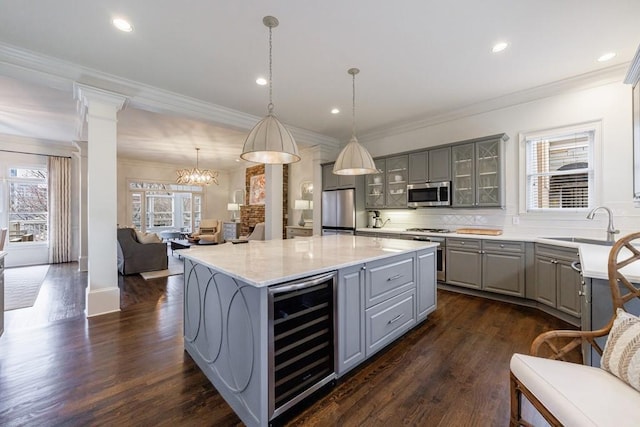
(515, 220)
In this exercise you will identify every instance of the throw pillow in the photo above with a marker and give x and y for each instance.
(209, 230)
(621, 355)
(145, 238)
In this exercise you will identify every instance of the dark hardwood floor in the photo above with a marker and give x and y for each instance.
(129, 368)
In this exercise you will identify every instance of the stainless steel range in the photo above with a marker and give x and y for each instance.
(440, 252)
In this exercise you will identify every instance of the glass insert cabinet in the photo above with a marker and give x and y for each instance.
(388, 188)
(477, 173)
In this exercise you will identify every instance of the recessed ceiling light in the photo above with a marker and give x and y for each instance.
(261, 81)
(606, 57)
(499, 47)
(122, 25)
(335, 111)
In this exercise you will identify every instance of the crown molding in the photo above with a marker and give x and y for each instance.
(593, 79)
(45, 70)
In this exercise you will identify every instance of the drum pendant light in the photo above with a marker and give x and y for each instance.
(354, 159)
(270, 141)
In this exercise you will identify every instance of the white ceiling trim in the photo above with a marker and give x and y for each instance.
(45, 70)
(602, 77)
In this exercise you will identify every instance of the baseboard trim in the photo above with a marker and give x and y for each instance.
(103, 301)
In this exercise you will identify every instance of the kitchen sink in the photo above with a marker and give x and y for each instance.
(582, 240)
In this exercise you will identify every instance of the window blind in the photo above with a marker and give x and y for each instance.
(559, 171)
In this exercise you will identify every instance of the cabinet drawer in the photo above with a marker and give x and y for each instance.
(569, 254)
(388, 320)
(298, 232)
(502, 246)
(464, 243)
(389, 277)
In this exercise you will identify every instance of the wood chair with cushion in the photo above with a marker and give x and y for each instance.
(209, 232)
(567, 393)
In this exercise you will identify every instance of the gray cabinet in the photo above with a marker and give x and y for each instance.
(388, 320)
(380, 300)
(375, 187)
(351, 324)
(557, 284)
(491, 265)
(396, 174)
(425, 276)
(388, 189)
(464, 262)
(477, 173)
(330, 181)
(503, 267)
(430, 165)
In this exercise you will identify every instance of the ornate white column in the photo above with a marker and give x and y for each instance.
(101, 108)
(273, 202)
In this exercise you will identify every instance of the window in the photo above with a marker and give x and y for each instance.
(28, 205)
(560, 169)
(158, 207)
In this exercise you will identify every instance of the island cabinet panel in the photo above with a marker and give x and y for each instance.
(233, 323)
(389, 319)
(226, 334)
(351, 320)
(425, 275)
(388, 277)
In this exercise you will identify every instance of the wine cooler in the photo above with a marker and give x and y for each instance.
(301, 340)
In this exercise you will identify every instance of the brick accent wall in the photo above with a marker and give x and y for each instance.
(250, 215)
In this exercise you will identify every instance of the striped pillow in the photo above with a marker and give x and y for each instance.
(621, 354)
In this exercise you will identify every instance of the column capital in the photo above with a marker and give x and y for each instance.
(86, 94)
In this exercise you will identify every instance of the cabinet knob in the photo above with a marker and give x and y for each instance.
(364, 267)
(581, 293)
(502, 246)
(462, 243)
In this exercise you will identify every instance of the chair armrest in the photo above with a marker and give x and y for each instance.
(560, 344)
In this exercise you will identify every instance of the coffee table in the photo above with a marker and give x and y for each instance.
(177, 244)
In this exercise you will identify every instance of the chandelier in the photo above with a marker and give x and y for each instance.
(270, 141)
(197, 176)
(354, 158)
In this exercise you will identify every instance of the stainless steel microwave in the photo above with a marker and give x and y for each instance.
(429, 194)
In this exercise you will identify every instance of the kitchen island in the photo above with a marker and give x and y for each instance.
(238, 299)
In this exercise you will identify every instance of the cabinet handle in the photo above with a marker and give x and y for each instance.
(581, 293)
(395, 319)
(397, 276)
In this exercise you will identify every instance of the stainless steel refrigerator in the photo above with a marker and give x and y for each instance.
(339, 211)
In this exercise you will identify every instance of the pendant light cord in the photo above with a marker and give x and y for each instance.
(270, 106)
(353, 121)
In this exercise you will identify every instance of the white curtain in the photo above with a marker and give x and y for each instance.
(59, 209)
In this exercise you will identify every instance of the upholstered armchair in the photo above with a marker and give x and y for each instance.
(137, 257)
(210, 231)
(256, 234)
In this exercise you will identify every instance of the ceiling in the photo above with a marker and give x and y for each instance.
(421, 60)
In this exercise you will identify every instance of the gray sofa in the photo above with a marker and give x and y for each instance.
(135, 257)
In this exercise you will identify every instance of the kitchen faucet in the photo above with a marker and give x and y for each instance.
(611, 231)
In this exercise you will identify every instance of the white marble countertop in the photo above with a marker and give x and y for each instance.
(268, 262)
(593, 258)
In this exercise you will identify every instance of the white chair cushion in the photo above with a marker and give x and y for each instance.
(145, 238)
(578, 395)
